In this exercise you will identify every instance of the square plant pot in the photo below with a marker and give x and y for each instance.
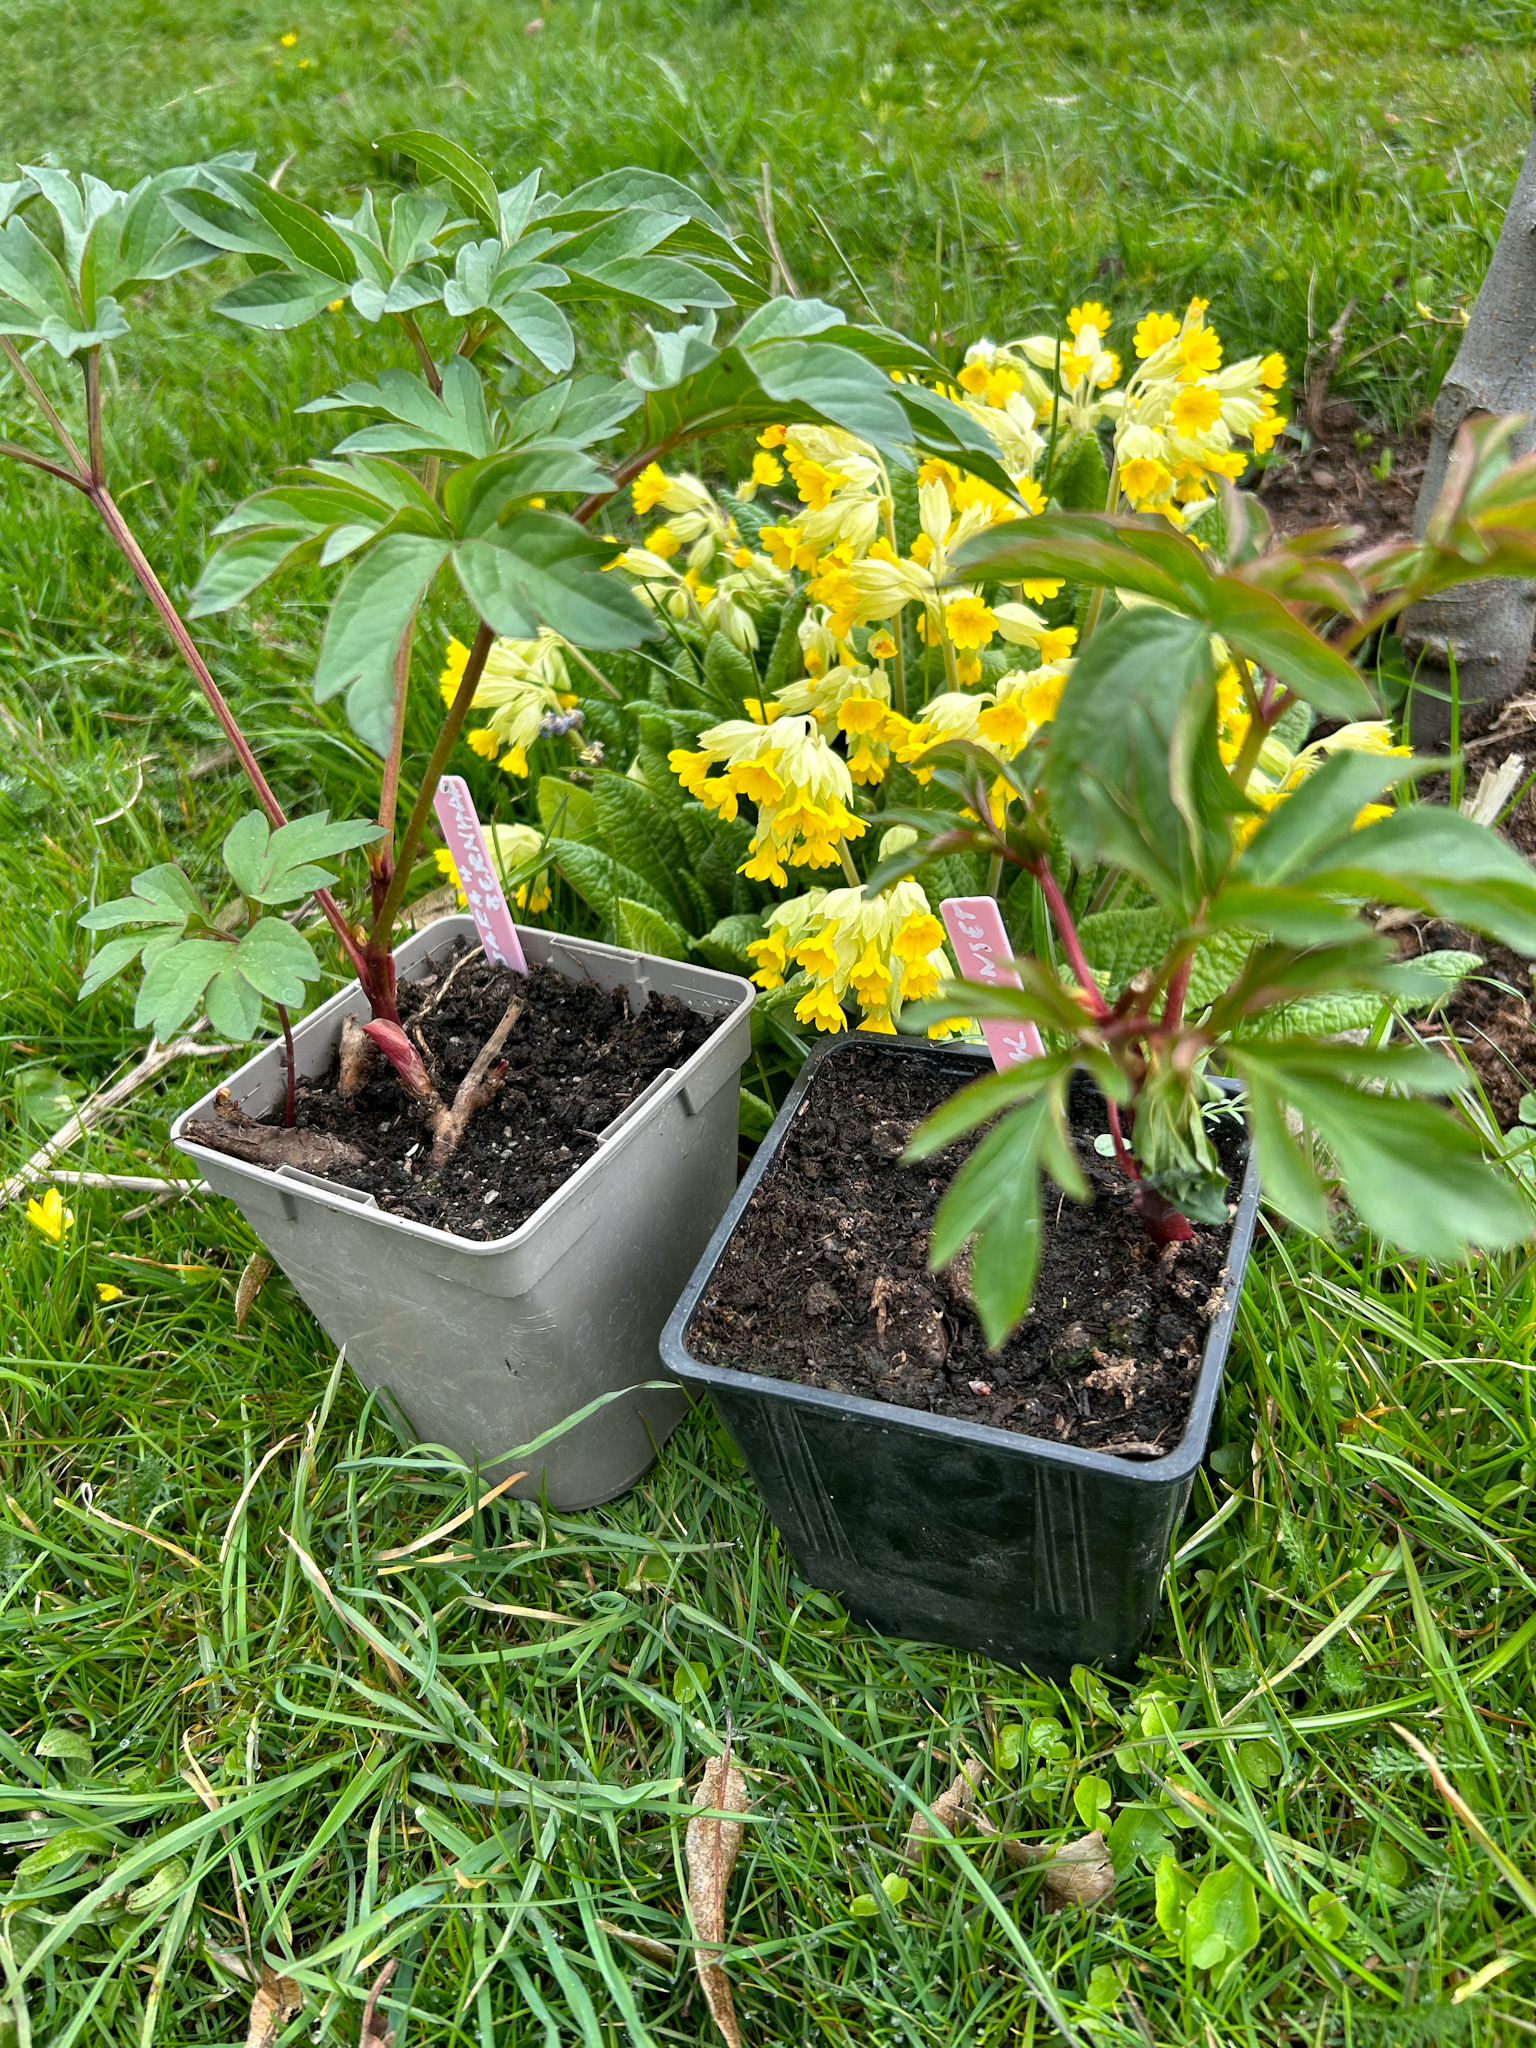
(1035, 1553)
(487, 1346)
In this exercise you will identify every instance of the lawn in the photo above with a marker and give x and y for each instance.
(225, 1707)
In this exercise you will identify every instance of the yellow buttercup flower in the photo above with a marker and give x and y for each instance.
(50, 1216)
(288, 40)
(106, 1292)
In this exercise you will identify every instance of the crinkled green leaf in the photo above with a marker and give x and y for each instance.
(637, 925)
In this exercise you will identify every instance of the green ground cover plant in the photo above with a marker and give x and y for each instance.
(227, 1705)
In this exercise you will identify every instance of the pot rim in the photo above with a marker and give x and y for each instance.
(1178, 1463)
(738, 996)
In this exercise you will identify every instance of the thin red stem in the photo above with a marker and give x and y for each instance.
(1061, 916)
(1178, 988)
(139, 562)
(1123, 1159)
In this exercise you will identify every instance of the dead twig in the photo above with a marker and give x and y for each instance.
(1317, 388)
(478, 1087)
(103, 1102)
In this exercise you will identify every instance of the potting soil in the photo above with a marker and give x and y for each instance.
(575, 1057)
(825, 1280)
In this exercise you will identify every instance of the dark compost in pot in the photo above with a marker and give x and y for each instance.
(1031, 1549)
(576, 1059)
(825, 1280)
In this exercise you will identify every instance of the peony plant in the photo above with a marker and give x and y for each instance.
(470, 478)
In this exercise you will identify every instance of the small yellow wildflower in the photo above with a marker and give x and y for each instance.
(50, 1216)
(1089, 314)
(288, 40)
(662, 541)
(106, 1292)
(767, 469)
(772, 437)
(1272, 371)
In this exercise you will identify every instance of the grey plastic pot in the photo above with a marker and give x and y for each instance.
(486, 1347)
(1033, 1553)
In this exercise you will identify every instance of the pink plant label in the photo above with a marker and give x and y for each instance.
(477, 877)
(975, 927)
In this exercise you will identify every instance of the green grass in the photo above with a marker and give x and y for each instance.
(402, 1774)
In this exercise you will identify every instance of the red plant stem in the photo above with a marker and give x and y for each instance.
(1061, 916)
(139, 562)
(1178, 988)
(290, 1105)
(1123, 1159)
(624, 474)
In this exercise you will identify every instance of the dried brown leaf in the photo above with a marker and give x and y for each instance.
(1076, 1873)
(277, 2000)
(258, 1271)
(660, 1952)
(954, 1808)
(712, 1846)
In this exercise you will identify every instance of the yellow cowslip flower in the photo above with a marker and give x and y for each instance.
(50, 1217)
(662, 541)
(1153, 331)
(969, 622)
(106, 1292)
(522, 683)
(1089, 314)
(1199, 351)
(1143, 480)
(509, 846)
(802, 791)
(787, 926)
(1195, 410)
(766, 469)
(1272, 371)
(649, 488)
(772, 437)
(879, 952)
(788, 547)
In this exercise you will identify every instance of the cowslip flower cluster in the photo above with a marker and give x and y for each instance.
(510, 847)
(801, 788)
(878, 953)
(524, 684)
(1183, 417)
(1279, 772)
(895, 656)
(695, 564)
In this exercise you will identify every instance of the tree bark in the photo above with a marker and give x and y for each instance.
(1486, 626)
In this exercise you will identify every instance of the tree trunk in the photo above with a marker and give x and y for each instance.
(1487, 626)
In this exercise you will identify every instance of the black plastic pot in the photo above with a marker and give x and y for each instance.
(1034, 1553)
